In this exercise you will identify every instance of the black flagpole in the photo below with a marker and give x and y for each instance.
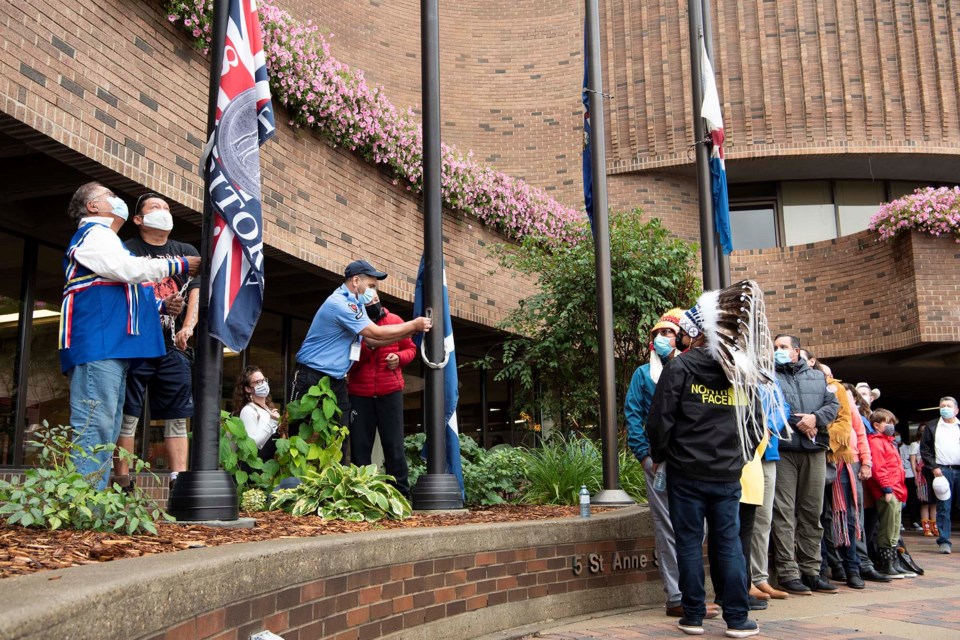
(436, 489)
(609, 443)
(206, 492)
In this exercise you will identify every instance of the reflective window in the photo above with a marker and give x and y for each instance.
(808, 213)
(898, 188)
(266, 352)
(754, 227)
(857, 201)
(11, 264)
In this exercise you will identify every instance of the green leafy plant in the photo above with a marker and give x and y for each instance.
(490, 477)
(552, 354)
(56, 495)
(253, 500)
(340, 492)
(557, 470)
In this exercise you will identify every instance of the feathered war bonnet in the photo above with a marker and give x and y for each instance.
(734, 323)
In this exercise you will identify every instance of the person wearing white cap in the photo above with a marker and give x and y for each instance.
(869, 395)
(940, 451)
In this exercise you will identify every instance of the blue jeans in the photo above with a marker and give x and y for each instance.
(96, 411)
(692, 501)
(944, 507)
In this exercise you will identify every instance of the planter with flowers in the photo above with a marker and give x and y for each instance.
(931, 210)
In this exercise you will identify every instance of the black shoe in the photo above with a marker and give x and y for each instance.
(839, 574)
(874, 576)
(816, 583)
(756, 604)
(854, 581)
(796, 587)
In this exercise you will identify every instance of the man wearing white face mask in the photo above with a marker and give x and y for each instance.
(169, 377)
(107, 318)
(333, 341)
(940, 451)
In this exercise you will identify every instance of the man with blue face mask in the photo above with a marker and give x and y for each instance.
(636, 406)
(801, 471)
(940, 451)
(333, 341)
(107, 319)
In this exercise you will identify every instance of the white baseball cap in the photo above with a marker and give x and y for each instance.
(941, 487)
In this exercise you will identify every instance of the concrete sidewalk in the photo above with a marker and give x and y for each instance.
(924, 608)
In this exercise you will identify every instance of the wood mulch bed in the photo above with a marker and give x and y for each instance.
(24, 551)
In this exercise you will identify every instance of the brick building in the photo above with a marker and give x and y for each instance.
(830, 108)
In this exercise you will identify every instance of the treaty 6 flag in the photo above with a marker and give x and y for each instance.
(244, 121)
(710, 112)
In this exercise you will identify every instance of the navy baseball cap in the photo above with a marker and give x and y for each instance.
(362, 268)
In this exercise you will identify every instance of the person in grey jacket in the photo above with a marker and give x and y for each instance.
(801, 471)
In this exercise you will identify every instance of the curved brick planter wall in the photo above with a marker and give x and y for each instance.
(453, 582)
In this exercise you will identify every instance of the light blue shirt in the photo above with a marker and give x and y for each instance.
(335, 327)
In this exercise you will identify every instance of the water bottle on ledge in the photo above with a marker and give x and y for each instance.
(660, 478)
(584, 502)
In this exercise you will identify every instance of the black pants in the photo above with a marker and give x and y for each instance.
(748, 514)
(912, 512)
(383, 414)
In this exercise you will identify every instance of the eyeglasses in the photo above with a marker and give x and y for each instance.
(107, 193)
(254, 383)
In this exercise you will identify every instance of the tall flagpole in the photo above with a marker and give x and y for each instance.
(611, 493)
(708, 233)
(435, 490)
(723, 260)
(206, 492)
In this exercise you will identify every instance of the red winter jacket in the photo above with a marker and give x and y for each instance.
(887, 468)
(369, 377)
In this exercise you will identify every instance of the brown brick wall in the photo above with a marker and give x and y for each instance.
(670, 197)
(857, 295)
(389, 600)
(114, 82)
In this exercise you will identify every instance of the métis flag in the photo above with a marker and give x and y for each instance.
(231, 169)
(451, 392)
(710, 112)
(587, 152)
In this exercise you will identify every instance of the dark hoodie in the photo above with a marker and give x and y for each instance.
(693, 424)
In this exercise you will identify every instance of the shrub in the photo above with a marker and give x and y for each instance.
(253, 500)
(55, 494)
(930, 210)
(349, 493)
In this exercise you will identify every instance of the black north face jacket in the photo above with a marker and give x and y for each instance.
(692, 424)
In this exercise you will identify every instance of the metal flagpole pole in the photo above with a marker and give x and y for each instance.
(708, 234)
(611, 493)
(206, 492)
(436, 489)
(723, 260)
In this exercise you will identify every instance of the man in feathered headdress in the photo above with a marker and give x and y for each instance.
(636, 407)
(707, 417)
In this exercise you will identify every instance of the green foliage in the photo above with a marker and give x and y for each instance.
(253, 500)
(490, 477)
(349, 493)
(315, 442)
(555, 342)
(56, 495)
(557, 470)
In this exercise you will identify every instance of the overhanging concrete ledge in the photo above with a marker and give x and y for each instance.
(449, 582)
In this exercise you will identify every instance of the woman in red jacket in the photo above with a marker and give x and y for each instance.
(375, 386)
(888, 488)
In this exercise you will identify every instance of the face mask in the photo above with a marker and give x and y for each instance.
(262, 390)
(367, 296)
(118, 207)
(897, 439)
(889, 429)
(781, 356)
(946, 413)
(374, 311)
(661, 344)
(159, 219)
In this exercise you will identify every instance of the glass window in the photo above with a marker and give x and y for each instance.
(11, 262)
(48, 390)
(857, 201)
(469, 406)
(265, 351)
(898, 188)
(808, 212)
(753, 227)
(499, 417)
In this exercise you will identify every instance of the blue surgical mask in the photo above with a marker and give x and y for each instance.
(889, 429)
(367, 296)
(661, 344)
(897, 439)
(946, 413)
(118, 207)
(781, 356)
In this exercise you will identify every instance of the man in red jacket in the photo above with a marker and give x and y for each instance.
(375, 386)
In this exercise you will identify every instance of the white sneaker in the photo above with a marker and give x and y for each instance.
(945, 548)
(690, 628)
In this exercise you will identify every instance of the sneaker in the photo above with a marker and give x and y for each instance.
(690, 627)
(796, 587)
(745, 629)
(817, 583)
(756, 604)
(945, 548)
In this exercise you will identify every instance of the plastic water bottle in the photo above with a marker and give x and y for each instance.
(584, 502)
(660, 479)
